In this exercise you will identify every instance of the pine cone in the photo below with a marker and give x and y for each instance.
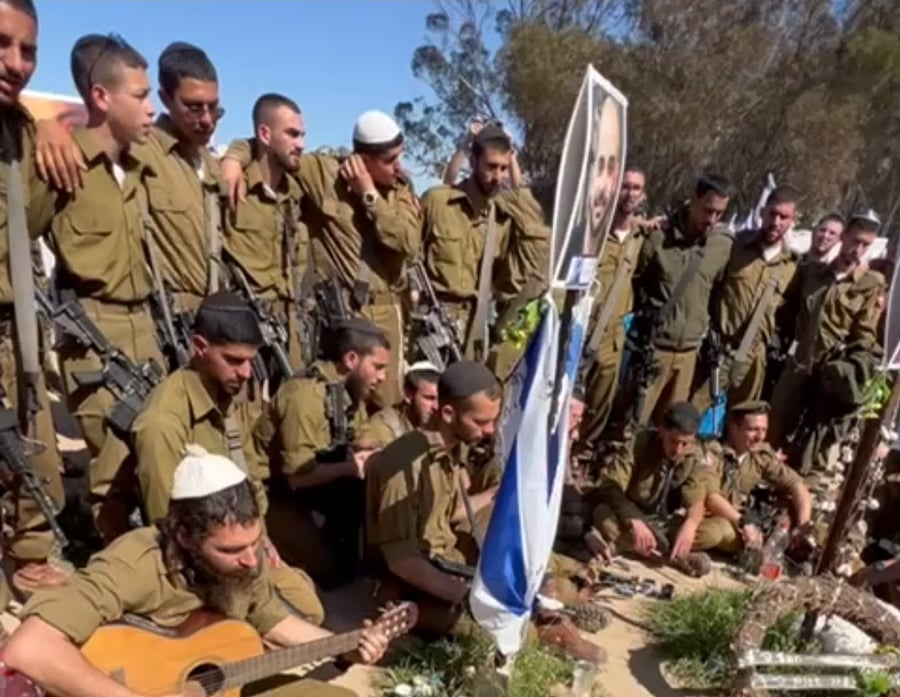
(590, 617)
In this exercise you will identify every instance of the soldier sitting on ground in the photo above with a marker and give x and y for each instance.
(741, 465)
(650, 479)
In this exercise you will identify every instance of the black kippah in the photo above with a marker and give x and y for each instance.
(463, 379)
(682, 417)
(224, 301)
(357, 324)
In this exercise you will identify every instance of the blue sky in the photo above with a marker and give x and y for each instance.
(336, 58)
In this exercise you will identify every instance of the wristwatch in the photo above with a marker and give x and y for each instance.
(369, 198)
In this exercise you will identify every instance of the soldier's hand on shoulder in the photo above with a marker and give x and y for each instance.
(354, 172)
(360, 459)
(57, 157)
(233, 176)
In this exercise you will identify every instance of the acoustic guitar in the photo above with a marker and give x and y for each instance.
(208, 656)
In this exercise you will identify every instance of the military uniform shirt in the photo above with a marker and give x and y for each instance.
(737, 477)
(97, 231)
(177, 208)
(665, 254)
(746, 279)
(296, 426)
(384, 427)
(338, 222)
(411, 497)
(179, 411)
(258, 236)
(129, 577)
(633, 484)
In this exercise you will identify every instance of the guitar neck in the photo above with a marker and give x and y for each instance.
(249, 670)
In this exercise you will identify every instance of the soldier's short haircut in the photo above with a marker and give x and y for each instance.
(180, 60)
(783, 194)
(709, 182)
(26, 7)
(99, 60)
(832, 218)
(226, 318)
(491, 136)
(268, 103)
(357, 338)
(682, 417)
(414, 378)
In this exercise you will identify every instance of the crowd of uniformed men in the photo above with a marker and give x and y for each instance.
(361, 451)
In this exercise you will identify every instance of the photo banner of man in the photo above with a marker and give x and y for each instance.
(593, 160)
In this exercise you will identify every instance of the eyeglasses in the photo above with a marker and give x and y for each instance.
(198, 109)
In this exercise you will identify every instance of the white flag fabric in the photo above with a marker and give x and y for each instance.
(753, 221)
(522, 528)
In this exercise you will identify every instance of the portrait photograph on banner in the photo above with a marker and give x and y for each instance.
(591, 170)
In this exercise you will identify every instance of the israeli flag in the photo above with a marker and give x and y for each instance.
(522, 528)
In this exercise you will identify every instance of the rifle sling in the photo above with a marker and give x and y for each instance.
(214, 238)
(756, 319)
(155, 272)
(478, 335)
(22, 279)
(467, 504)
(235, 443)
(612, 300)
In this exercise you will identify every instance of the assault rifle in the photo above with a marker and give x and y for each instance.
(641, 340)
(340, 449)
(129, 383)
(173, 330)
(438, 335)
(18, 472)
(272, 329)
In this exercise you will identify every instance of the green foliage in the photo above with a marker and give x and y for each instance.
(695, 633)
(803, 88)
(463, 666)
(873, 683)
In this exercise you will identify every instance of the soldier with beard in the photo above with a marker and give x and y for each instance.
(476, 250)
(307, 436)
(759, 272)
(416, 411)
(207, 553)
(606, 338)
(264, 235)
(201, 404)
(363, 222)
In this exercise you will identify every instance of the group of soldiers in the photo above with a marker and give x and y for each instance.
(288, 368)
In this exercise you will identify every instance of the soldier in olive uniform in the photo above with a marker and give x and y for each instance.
(201, 404)
(308, 435)
(606, 332)
(481, 245)
(826, 239)
(182, 198)
(831, 313)
(679, 270)
(417, 410)
(757, 276)
(31, 541)
(98, 236)
(744, 463)
(656, 474)
(264, 235)
(363, 222)
(204, 555)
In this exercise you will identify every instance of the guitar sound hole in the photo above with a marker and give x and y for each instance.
(207, 676)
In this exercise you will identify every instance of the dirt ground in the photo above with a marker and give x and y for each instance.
(633, 667)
